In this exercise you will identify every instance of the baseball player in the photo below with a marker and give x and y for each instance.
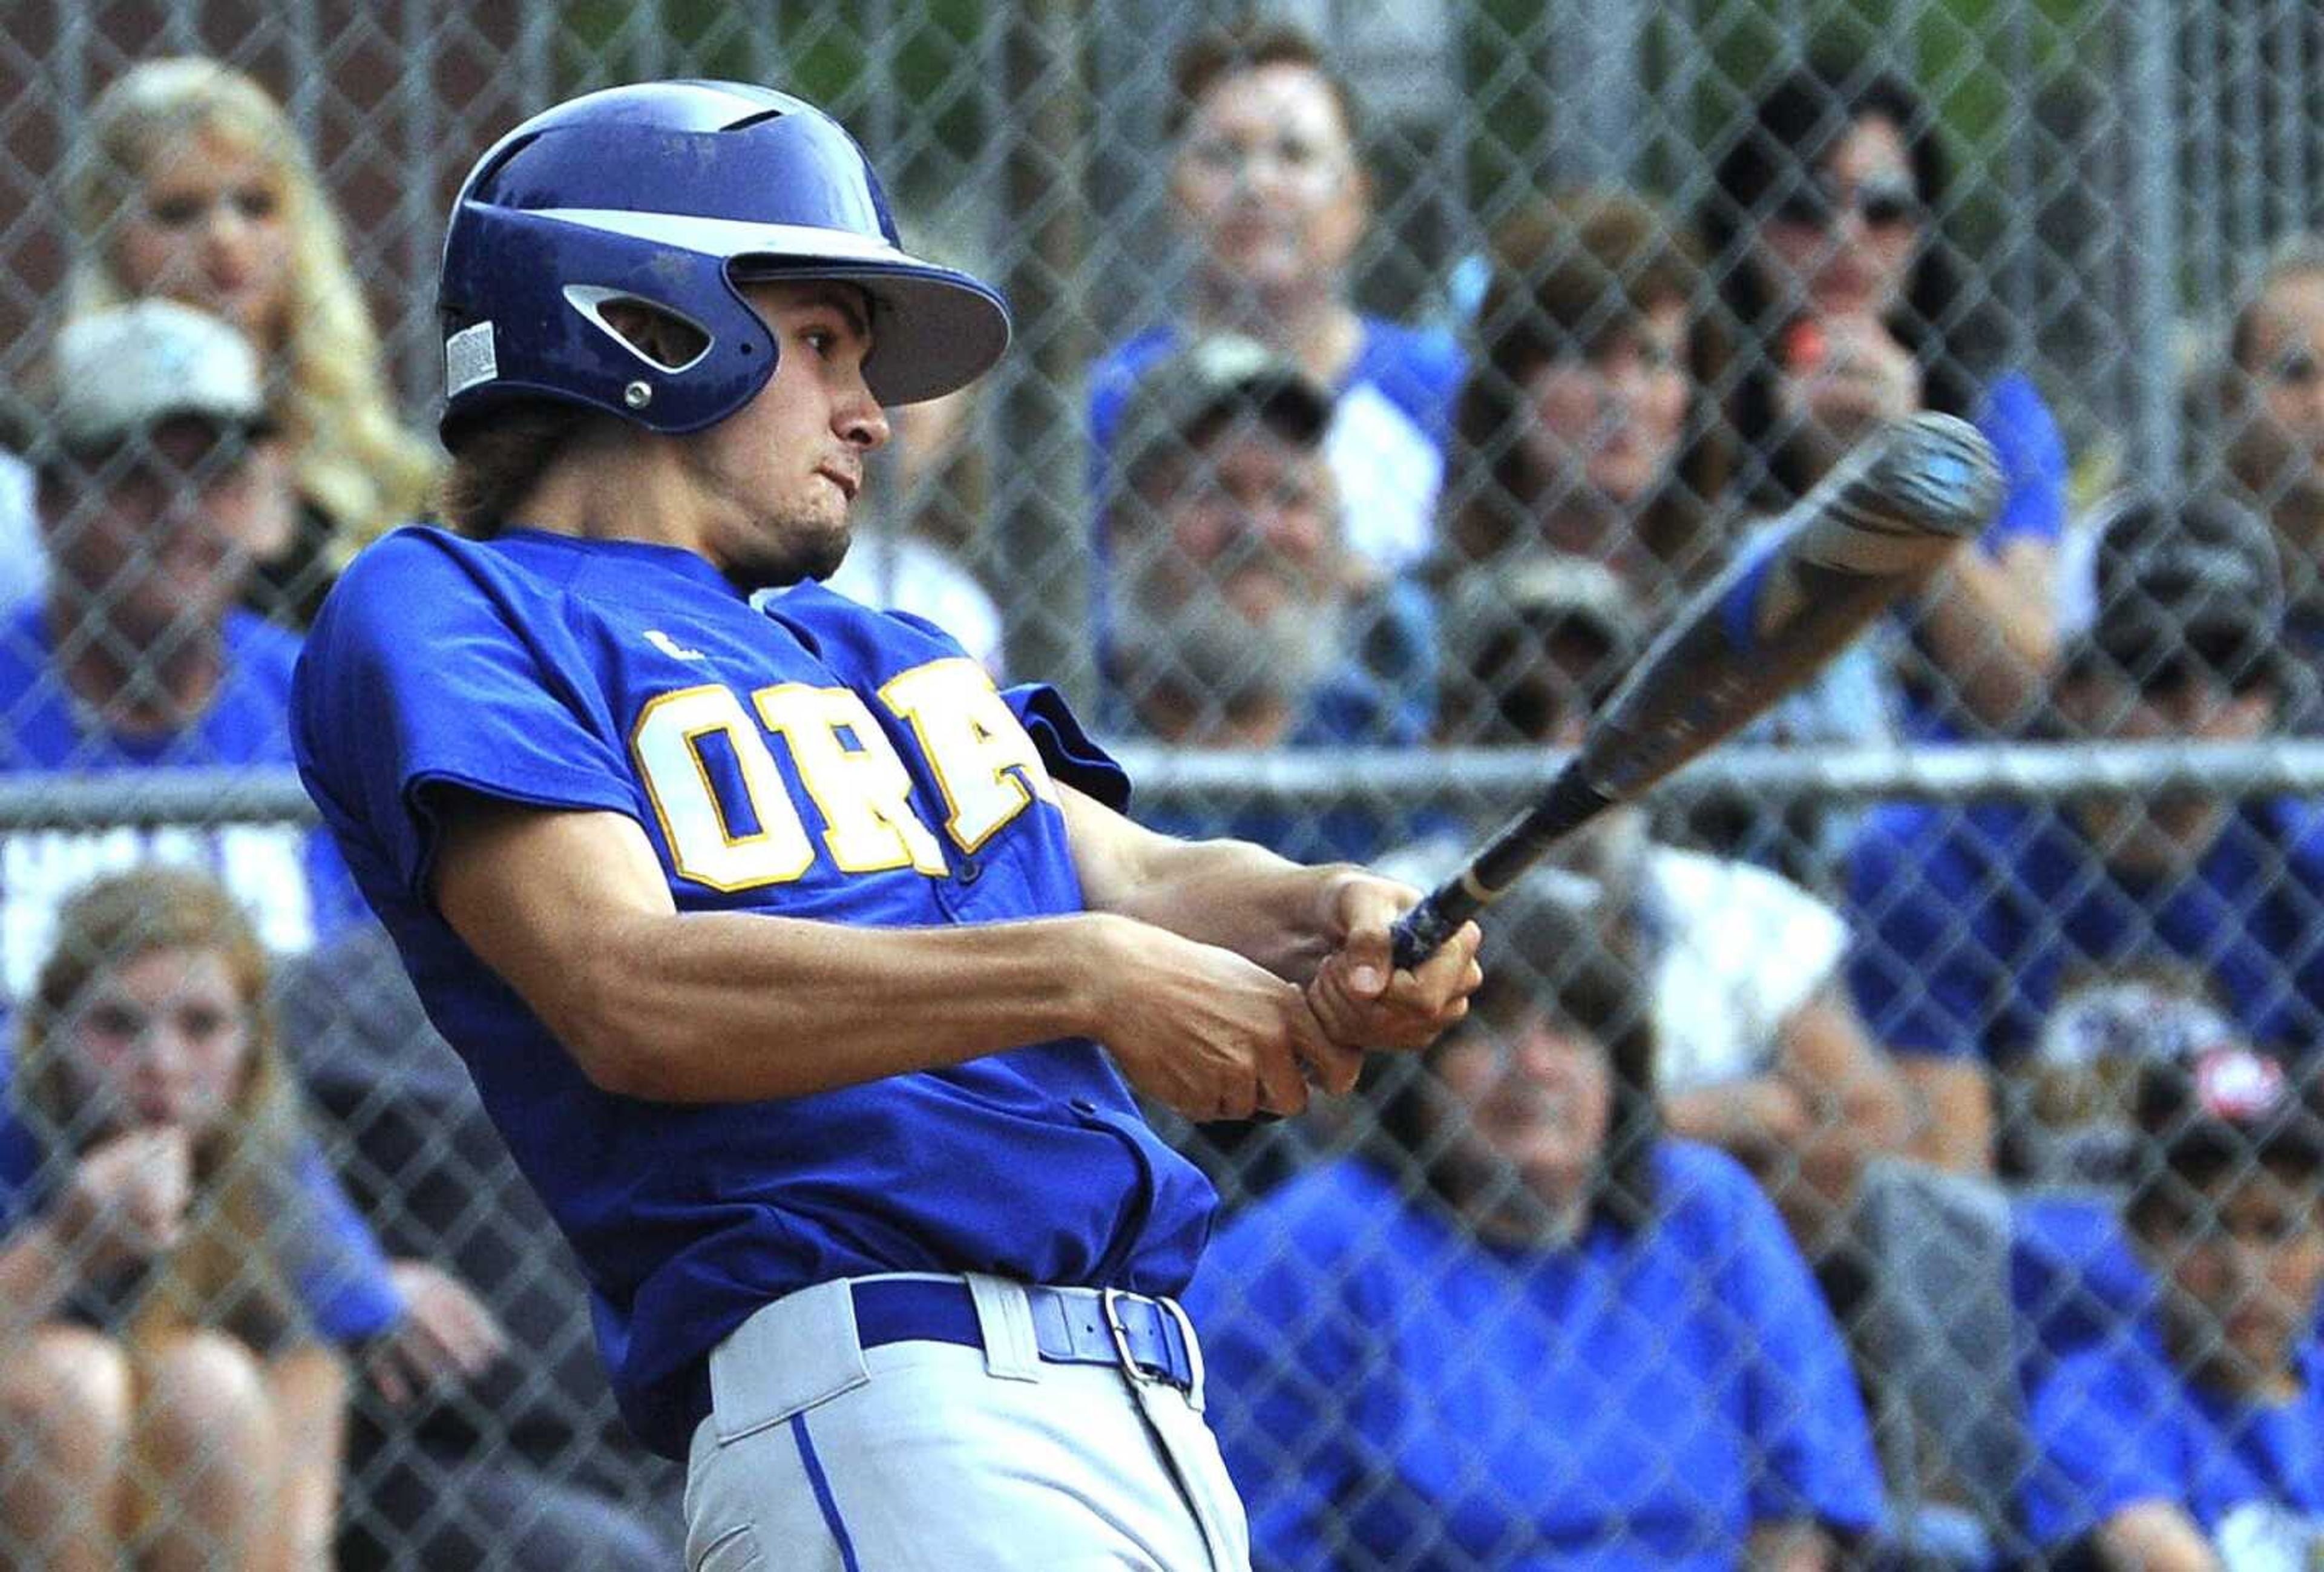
(781, 944)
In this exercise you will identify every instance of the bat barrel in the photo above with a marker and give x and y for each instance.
(1867, 534)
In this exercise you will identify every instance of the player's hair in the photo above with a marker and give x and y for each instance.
(1565, 274)
(1588, 980)
(1250, 44)
(1794, 128)
(353, 459)
(228, 1267)
(501, 458)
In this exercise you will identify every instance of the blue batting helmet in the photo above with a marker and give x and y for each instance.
(671, 194)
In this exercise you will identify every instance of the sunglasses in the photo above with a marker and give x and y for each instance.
(1880, 200)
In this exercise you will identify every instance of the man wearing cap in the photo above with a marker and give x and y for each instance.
(1976, 922)
(157, 486)
(1757, 1048)
(2194, 1436)
(1231, 604)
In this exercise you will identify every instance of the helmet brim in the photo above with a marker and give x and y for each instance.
(933, 330)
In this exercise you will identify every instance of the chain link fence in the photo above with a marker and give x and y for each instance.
(1368, 409)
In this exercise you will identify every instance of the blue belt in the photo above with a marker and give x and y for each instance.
(1141, 1336)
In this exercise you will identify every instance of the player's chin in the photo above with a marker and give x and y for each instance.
(795, 551)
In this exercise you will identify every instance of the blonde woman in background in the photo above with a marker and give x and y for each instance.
(192, 183)
(172, 1279)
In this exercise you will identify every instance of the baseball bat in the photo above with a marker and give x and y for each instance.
(1873, 530)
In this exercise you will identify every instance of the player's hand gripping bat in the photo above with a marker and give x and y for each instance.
(1875, 529)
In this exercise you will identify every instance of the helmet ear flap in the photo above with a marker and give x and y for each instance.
(662, 336)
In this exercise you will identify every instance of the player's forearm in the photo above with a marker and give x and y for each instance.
(729, 1007)
(1238, 896)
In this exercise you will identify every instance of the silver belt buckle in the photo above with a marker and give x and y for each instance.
(1109, 1299)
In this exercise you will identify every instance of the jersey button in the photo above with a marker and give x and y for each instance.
(1082, 1106)
(968, 871)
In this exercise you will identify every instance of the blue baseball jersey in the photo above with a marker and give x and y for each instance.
(2119, 1426)
(803, 756)
(1391, 1391)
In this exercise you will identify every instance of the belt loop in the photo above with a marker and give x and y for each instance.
(791, 1354)
(1005, 1315)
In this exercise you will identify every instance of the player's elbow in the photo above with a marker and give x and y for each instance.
(604, 1019)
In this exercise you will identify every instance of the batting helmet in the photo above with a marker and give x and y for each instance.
(671, 194)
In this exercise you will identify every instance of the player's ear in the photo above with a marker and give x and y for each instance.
(670, 342)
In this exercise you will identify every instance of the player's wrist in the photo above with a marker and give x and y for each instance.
(1102, 954)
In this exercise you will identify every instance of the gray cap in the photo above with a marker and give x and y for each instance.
(1224, 374)
(122, 371)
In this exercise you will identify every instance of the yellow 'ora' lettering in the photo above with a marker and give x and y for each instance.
(666, 744)
(986, 766)
(863, 791)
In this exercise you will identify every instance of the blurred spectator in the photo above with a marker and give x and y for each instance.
(146, 439)
(149, 440)
(193, 185)
(1269, 181)
(2265, 407)
(1826, 230)
(1589, 423)
(176, 1268)
(1528, 1329)
(1232, 603)
(1976, 924)
(525, 1466)
(2197, 1440)
(927, 496)
(1759, 1048)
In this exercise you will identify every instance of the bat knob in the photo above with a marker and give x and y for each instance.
(1419, 931)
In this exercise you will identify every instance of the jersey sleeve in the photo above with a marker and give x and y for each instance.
(1066, 748)
(2103, 1438)
(420, 674)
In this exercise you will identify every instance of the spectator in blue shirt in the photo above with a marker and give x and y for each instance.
(1230, 624)
(1974, 924)
(175, 1274)
(1527, 1330)
(2197, 1440)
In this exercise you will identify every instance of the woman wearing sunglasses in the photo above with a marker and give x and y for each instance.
(1825, 220)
